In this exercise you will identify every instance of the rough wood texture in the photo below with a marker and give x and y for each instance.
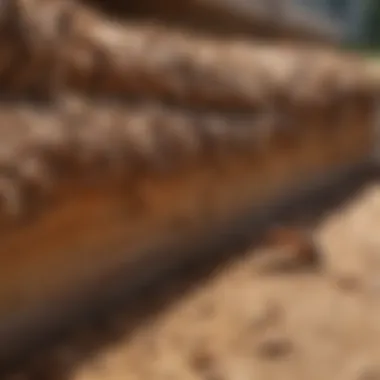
(98, 55)
(144, 136)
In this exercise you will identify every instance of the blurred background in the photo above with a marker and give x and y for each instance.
(355, 23)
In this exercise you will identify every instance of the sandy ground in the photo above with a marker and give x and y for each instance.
(263, 315)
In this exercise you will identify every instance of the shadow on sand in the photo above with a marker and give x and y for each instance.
(98, 329)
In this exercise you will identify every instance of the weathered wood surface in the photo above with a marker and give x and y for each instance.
(121, 139)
